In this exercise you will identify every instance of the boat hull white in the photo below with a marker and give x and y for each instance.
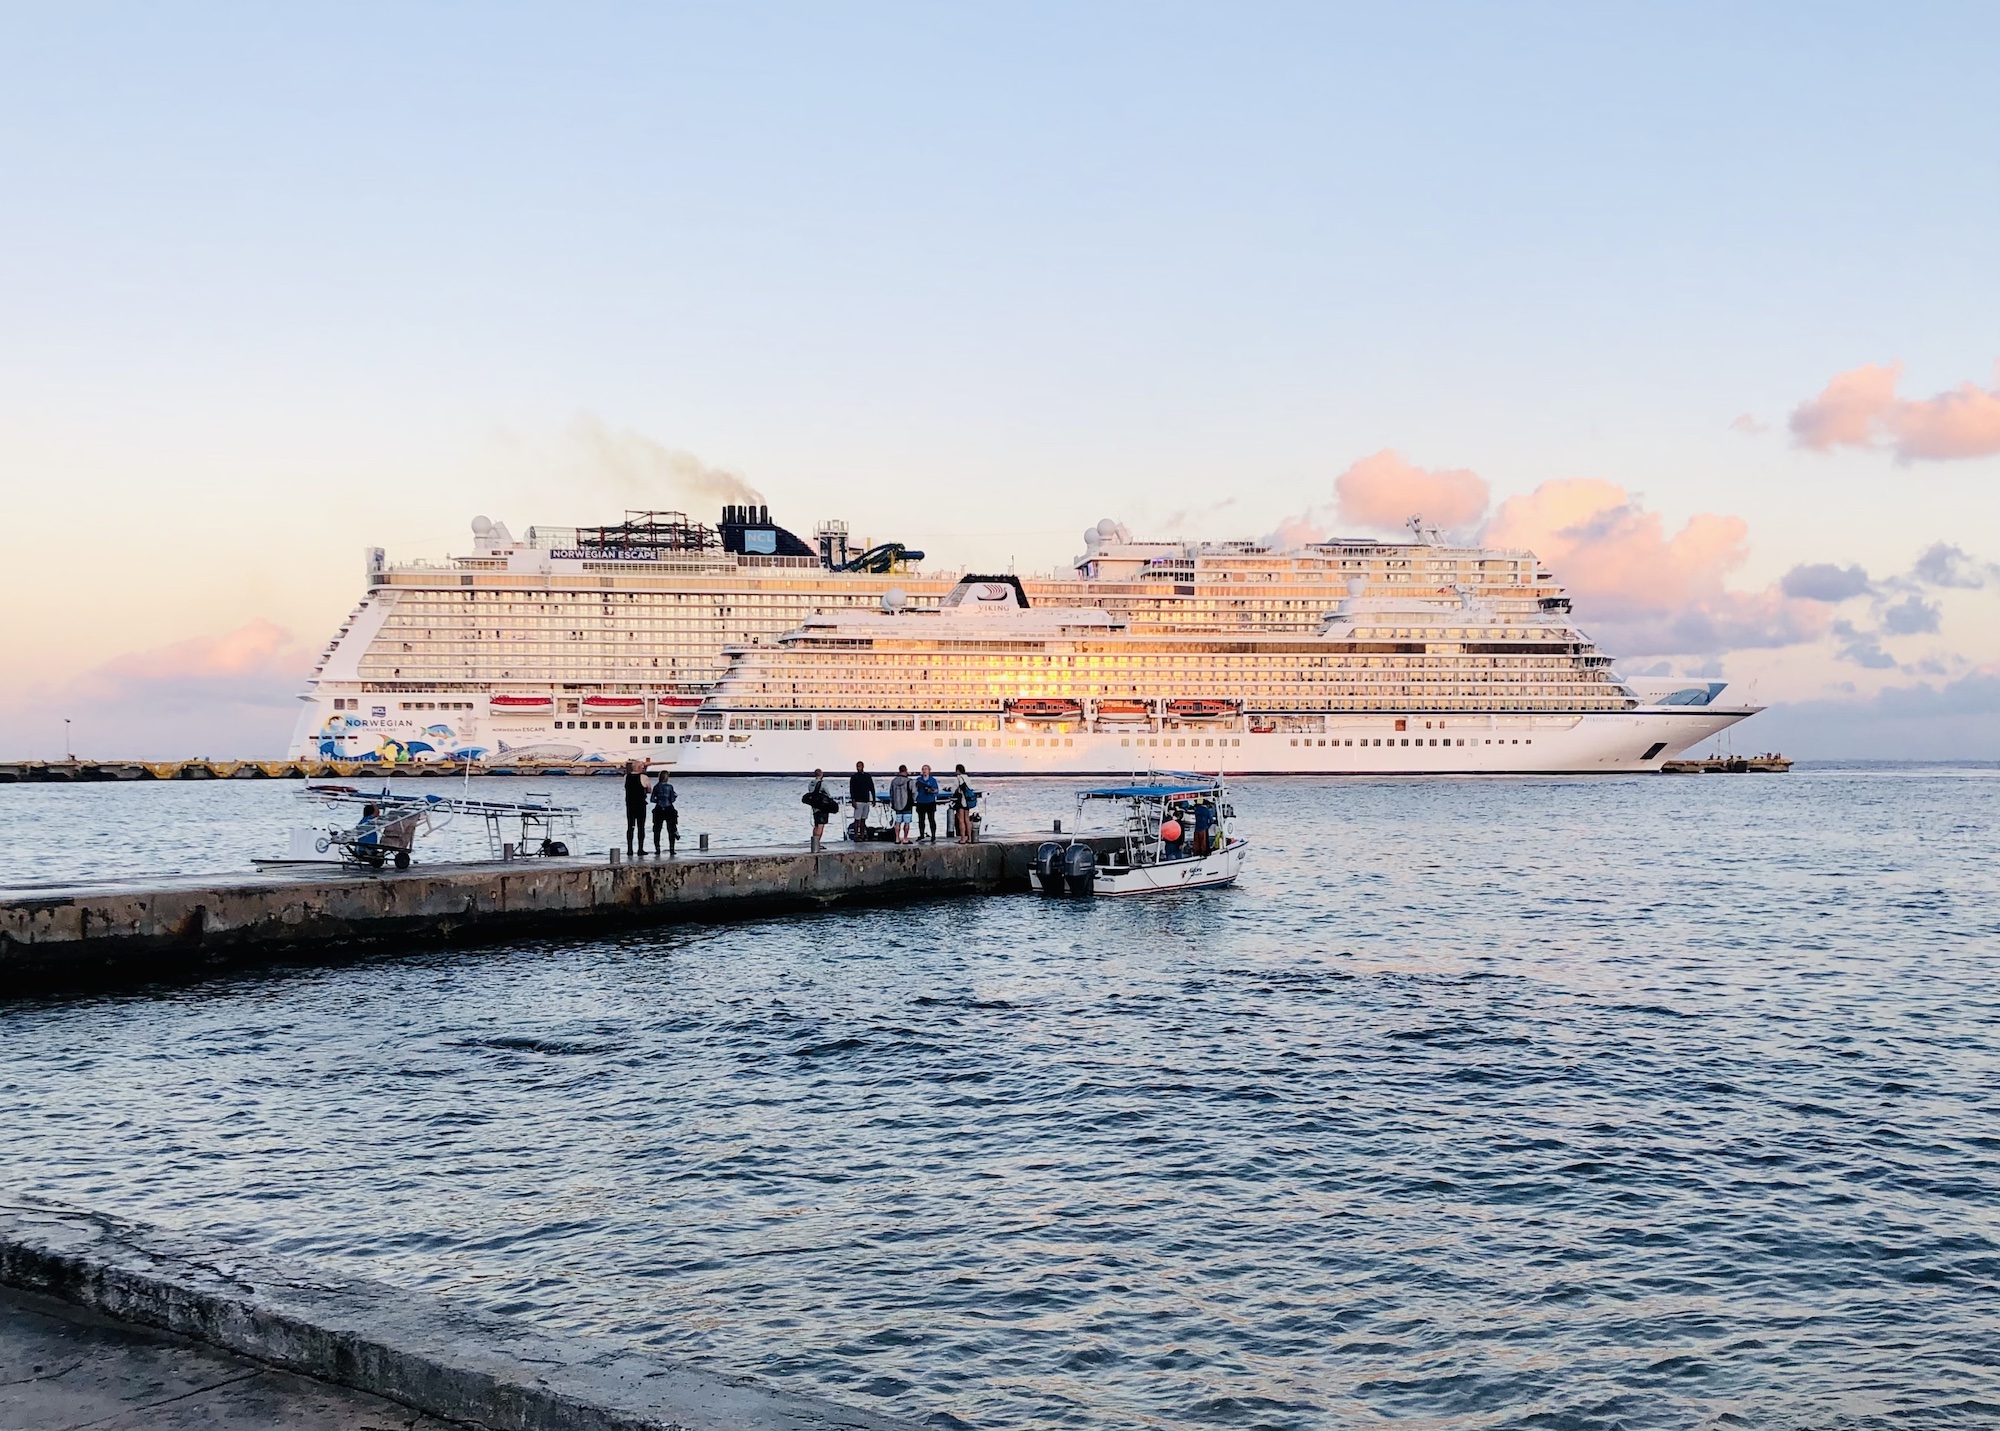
(1219, 867)
(1596, 743)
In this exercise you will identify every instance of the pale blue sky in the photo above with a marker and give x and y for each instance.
(277, 283)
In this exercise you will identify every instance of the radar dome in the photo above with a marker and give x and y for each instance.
(1107, 529)
(895, 599)
(482, 526)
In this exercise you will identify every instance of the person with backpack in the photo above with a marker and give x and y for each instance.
(926, 787)
(902, 800)
(823, 806)
(666, 811)
(963, 799)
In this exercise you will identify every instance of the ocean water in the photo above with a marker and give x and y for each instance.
(1543, 1103)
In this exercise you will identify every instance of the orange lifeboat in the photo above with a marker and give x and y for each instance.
(1123, 710)
(1044, 708)
(1202, 709)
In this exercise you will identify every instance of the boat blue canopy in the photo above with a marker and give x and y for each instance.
(1193, 785)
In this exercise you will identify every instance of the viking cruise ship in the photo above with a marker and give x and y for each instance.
(1401, 684)
(583, 645)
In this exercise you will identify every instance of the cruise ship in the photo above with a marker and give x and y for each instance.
(1398, 684)
(644, 638)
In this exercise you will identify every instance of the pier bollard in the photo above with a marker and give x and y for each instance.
(506, 849)
(612, 854)
(1058, 827)
(704, 844)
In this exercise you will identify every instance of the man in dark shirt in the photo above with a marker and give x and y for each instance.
(861, 791)
(635, 805)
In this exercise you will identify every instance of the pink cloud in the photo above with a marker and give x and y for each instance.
(1643, 590)
(1298, 531)
(229, 695)
(1859, 408)
(1384, 490)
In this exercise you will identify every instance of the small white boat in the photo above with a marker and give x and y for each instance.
(1177, 832)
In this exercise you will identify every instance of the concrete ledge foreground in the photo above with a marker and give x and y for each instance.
(125, 930)
(404, 1346)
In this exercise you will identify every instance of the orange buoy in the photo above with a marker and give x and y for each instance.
(1170, 831)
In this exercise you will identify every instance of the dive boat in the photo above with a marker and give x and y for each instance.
(1177, 831)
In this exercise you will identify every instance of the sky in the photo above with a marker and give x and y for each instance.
(1701, 302)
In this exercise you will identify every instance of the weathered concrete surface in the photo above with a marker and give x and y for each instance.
(64, 1368)
(127, 930)
(403, 1346)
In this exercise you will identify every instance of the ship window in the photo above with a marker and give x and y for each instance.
(1236, 742)
(1295, 742)
(1406, 742)
(1069, 742)
(1126, 741)
(632, 739)
(939, 742)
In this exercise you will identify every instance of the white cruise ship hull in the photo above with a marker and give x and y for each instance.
(1594, 743)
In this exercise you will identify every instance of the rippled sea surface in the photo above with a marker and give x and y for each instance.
(1543, 1103)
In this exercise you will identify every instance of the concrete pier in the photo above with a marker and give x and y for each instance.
(388, 1342)
(125, 931)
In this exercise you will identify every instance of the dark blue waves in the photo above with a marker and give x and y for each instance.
(1481, 1104)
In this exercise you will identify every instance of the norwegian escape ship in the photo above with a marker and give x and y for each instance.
(644, 638)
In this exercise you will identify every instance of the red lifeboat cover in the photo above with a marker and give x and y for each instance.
(618, 703)
(517, 702)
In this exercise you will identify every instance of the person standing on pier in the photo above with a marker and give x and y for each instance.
(822, 804)
(635, 805)
(926, 786)
(962, 798)
(861, 791)
(902, 801)
(666, 812)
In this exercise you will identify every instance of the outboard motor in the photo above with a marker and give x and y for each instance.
(1080, 865)
(1050, 869)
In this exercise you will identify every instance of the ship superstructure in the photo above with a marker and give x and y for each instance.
(1398, 684)
(581, 644)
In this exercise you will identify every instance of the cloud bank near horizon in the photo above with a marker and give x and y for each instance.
(231, 695)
